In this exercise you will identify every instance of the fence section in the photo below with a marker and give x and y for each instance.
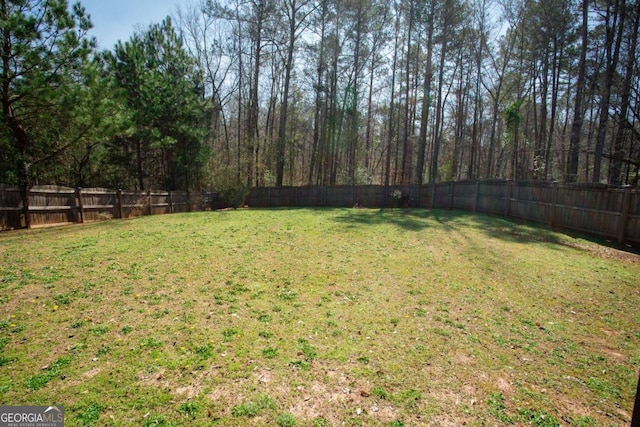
(48, 205)
(607, 212)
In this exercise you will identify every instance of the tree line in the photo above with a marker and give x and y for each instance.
(240, 93)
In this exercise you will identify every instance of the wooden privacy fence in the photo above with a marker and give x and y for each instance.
(610, 213)
(47, 205)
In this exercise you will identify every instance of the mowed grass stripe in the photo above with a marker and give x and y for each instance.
(319, 317)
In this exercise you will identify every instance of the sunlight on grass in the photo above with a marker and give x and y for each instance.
(318, 317)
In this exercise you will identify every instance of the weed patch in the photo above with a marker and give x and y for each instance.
(50, 372)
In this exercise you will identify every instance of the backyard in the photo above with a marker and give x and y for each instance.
(319, 317)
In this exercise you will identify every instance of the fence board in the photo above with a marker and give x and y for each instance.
(11, 209)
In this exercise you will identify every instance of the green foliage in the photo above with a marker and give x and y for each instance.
(45, 58)
(5, 360)
(155, 421)
(321, 422)
(163, 93)
(230, 333)
(249, 410)
(231, 194)
(286, 420)
(583, 421)
(189, 409)
(205, 351)
(36, 382)
(512, 115)
(307, 349)
(270, 352)
(150, 342)
(498, 408)
(538, 418)
(380, 393)
(266, 402)
(89, 415)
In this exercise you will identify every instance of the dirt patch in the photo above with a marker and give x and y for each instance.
(615, 355)
(91, 373)
(504, 385)
(449, 421)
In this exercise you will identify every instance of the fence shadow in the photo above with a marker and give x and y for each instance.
(407, 219)
(526, 232)
(455, 221)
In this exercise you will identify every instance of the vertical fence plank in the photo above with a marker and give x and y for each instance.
(476, 196)
(452, 189)
(120, 209)
(624, 217)
(507, 208)
(25, 194)
(554, 204)
(80, 205)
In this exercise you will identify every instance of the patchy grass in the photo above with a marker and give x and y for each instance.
(316, 318)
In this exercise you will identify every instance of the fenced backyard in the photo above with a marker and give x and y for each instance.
(319, 316)
(610, 213)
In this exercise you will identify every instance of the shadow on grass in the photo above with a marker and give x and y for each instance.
(407, 219)
(522, 231)
(455, 221)
(498, 227)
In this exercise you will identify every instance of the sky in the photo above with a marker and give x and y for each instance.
(115, 20)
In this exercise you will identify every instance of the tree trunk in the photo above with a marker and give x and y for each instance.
(437, 141)
(614, 31)
(615, 171)
(404, 174)
(578, 109)
(426, 99)
(282, 127)
(390, 129)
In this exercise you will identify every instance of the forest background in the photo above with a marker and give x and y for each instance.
(242, 93)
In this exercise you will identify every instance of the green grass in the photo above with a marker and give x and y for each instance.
(318, 317)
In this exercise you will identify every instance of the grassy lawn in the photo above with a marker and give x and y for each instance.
(319, 318)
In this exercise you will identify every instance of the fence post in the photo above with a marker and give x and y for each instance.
(624, 216)
(477, 196)
(120, 204)
(149, 203)
(170, 202)
(24, 195)
(80, 205)
(453, 193)
(507, 208)
(433, 195)
(554, 203)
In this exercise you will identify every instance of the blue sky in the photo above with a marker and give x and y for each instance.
(115, 20)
